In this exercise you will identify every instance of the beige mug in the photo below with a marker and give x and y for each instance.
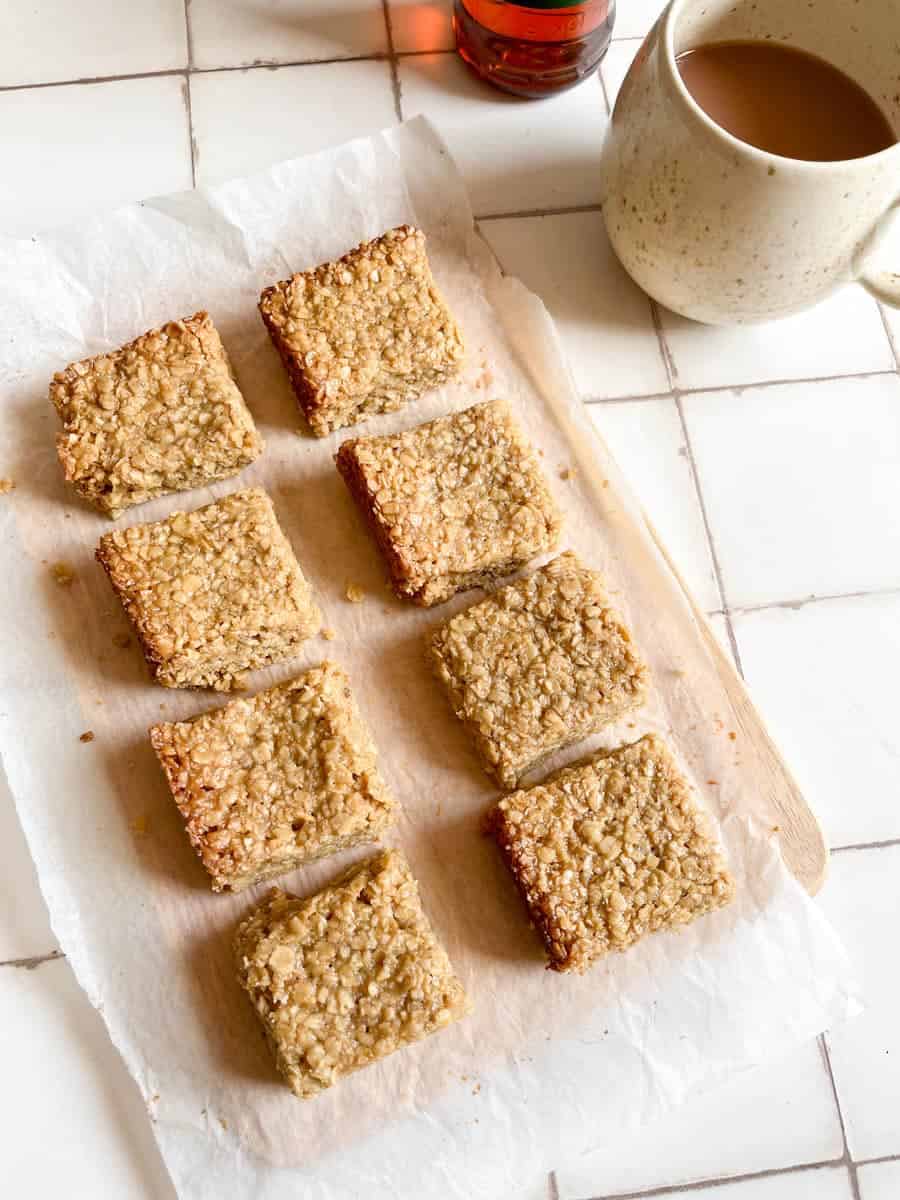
(721, 231)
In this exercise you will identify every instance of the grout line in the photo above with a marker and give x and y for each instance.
(34, 87)
(566, 211)
(702, 1185)
(192, 138)
(29, 964)
(727, 387)
(672, 379)
(600, 400)
(884, 845)
(664, 350)
(846, 1158)
(742, 610)
(392, 55)
(873, 1162)
(895, 348)
(717, 568)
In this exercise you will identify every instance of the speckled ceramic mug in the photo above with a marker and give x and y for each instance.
(726, 233)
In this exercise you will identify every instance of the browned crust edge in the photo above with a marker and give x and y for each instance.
(153, 660)
(560, 958)
(305, 394)
(348, 466)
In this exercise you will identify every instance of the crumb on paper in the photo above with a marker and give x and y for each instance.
(713, 782)
(732, 735)
(476, 1089)
(87, 736)
(6, 485)
(223, 1123)
(566, 473)
(121, 640)
(63, 574)
(354, 593)
(605, 483)
(776, 829)
(139, 825)
(329, 635)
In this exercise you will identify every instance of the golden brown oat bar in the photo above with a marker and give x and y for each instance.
(453, 504)
(211, 593)
(538, 665)
(269, 783)
(160, 415)
(348, 976)
(365, 334)
(610, 850)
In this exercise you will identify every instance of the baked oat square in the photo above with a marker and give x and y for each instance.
(542, 663)
(162, 414)
(211, 593)
(270, 783)
(348, 976)
(453, 504)
(365, 334)
(610, 850)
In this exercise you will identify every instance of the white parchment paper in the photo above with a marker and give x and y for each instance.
(547, 1067)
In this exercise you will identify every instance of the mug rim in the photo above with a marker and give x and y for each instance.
(763, 157)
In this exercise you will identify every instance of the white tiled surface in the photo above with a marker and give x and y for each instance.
(811, 345)
(41, 43)
(825, 677)
(647, 441)
(604, 318)
(862, 898)
(798, 484)
(244, 120)
(245, 33)
(70, 150)
(880, 1181)
(801, 486)
(514, 155)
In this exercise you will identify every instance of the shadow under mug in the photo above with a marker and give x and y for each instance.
(721, 231)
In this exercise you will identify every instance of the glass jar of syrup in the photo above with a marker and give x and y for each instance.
(533, 49)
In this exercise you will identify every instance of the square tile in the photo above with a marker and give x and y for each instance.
(422, 26)
(823, 1183)
(647, 441)
(825, 677)
(634, 18)
(801, 487)
(245, 33)
(862, 899)
(44, 42)
(515, 155)
(879, 1181)
(77, 1127)
(779, 1115)
(24, 921)
(71, 151)
(247, 120)
(619, 58)
(604, 319)
(842, 336)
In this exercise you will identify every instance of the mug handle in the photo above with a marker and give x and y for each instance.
(873, 274)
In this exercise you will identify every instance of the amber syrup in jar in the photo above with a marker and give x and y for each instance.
(533, 49)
